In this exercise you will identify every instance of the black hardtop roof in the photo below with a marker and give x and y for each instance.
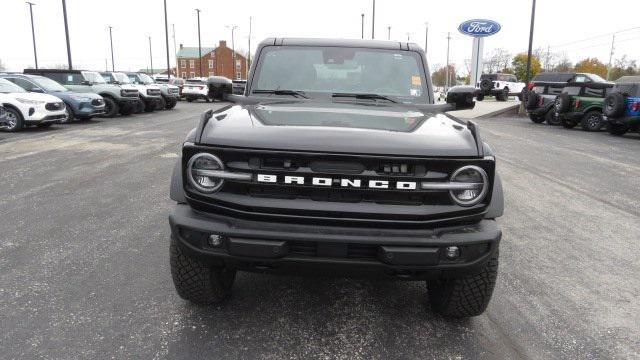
(628, 79)
(554, 76)
(355, 43)
(64, 71)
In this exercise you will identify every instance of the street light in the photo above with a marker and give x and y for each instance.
(199, 44)
(113, 67)
(150, 56)
(166, 35)
(66, 33)
(426, 36)
(33, 34)
(233, 48)
(533, 18)
(362, 25)
(388, 32)
(373, 21)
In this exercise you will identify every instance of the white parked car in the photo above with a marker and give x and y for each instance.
(499, 85)
(23, 108)
(196, 88)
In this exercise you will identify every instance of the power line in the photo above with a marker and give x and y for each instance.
(595, 37)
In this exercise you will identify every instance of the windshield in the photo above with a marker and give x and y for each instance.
(48, 84)
(7, 86)
(146, 79)
(596, 78)
(122, 78)
(93, 77)
(329, 70)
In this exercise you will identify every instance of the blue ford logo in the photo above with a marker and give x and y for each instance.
(479, 27)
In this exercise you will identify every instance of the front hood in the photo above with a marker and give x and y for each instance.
(33, 96)
(76, 95)
(340, 128)
(129, 86)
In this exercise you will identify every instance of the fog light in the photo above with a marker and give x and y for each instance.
(215, 240)
(452, 252)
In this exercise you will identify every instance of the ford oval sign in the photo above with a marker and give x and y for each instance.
(479, 27)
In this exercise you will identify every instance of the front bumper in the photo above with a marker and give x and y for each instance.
(88, 109)
(295, 248)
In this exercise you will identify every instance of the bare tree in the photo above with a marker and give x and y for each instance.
(497, 60)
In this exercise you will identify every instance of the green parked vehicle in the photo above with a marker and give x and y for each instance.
(582, 103)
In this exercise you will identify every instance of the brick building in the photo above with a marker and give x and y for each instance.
(215, 61)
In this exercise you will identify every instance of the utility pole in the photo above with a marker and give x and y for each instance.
(426, 36)
(408, 36)
(33, 34)
(175, 51)
(249, 51)
(533, 19)
(150, 56)
(547, 67)
(166, 36)
(199, 45)
(373, 21)
(106, 65)
(113, 67)
(446, 87)
(362, 25)
(388, 32)
(613, 41)
(233, 48)
(66, 33)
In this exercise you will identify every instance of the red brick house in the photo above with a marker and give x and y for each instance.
(215, 61)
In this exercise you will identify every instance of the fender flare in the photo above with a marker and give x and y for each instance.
(496, 207)
(176, 191)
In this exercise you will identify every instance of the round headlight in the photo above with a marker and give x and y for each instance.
(473, 182)
(197, 169)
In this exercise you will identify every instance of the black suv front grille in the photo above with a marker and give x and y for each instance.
(309, 203)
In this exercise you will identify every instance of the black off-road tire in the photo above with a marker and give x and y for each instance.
(562, 103)
(111, 108)
(617, 129)
(614, 105)
(480, 97)
(532, 101)
(466, 296)
(161, 104)
(503, 95)
(171, 103)
(551, 119)
(486, 84)
(592, 121)
(536, 118)
(150, 106)
(196, 281)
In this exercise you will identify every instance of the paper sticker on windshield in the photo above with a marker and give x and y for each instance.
(416, 81)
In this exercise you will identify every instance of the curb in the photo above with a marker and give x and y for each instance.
(511, 110)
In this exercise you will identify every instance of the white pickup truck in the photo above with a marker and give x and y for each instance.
(499, 85)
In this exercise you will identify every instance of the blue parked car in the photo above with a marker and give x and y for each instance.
(622, 106)
(81, 106)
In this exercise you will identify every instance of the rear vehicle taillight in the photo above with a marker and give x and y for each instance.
(635, 106)
(577, 105)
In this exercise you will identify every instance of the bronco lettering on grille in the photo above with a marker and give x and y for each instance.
(338, 182)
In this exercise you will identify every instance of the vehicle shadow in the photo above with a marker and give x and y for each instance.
(320, 316)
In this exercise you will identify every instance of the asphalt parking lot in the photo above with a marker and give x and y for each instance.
(84, 270)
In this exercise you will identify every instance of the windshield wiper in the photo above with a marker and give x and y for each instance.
(364, 96)
(295, 93)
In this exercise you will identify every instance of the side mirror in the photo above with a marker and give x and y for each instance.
(461, 97)
(219, 88)
(37, 90)
(85, 82)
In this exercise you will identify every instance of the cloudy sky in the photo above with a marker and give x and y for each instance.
(576, 27)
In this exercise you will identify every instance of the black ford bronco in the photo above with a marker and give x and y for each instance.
(336, 160)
